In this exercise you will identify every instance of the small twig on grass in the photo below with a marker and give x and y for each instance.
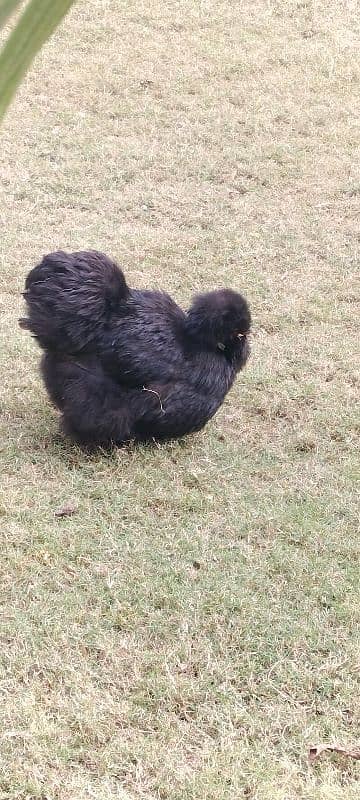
(318, 749)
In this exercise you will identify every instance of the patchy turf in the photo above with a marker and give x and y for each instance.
(193, 627)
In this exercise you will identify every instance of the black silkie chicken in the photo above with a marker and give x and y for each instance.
(123, 364)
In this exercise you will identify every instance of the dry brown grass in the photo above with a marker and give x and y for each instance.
(194, 627)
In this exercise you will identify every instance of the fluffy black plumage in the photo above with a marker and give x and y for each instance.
(124, 364)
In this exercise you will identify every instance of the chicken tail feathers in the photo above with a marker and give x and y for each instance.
(70, 297)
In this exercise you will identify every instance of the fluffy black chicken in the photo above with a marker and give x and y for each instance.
(124, 364)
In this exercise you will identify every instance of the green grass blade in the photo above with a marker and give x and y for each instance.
(34, 27)
(7, 7)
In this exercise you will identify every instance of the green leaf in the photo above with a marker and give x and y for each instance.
(35, 26)
(7, 7)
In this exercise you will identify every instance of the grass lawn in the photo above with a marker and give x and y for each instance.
(193, 628)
